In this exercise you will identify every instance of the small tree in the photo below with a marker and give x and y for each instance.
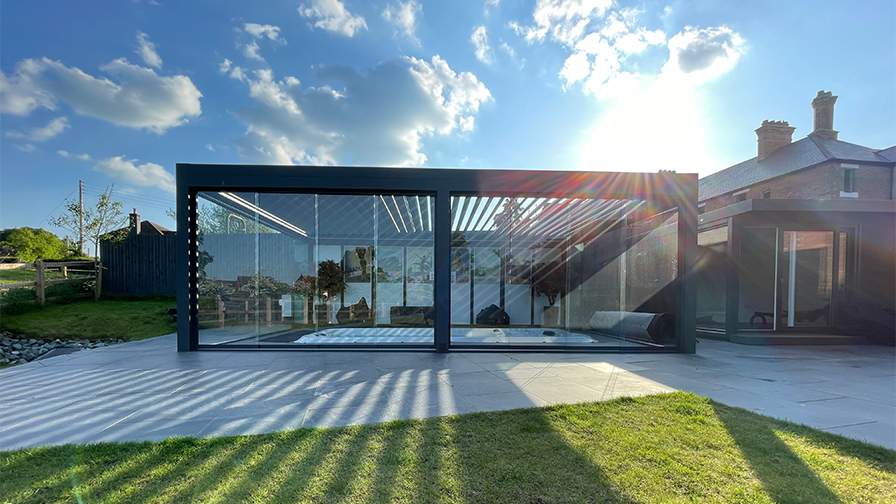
(99, 220)
(30, 244)
(331, 279)
(549, 279)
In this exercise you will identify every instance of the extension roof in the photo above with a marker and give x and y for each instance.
(804, 153)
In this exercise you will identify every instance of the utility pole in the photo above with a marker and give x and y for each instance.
(81, 215)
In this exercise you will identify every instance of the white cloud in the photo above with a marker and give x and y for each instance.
(490, 4)
(332, 16)
(564, 20)
(53, 128)
(699, 55)
(147, 174)
(210, 147)
(260, 31)
(18, 95)
(602, 39)
(509, 50)
(67, 154)
(250, 51)
(576, 67)
(140, 99)
(147, 50)
(404, 17)
(25, 148)
(377, 117)
(483, 51)
(224, 67)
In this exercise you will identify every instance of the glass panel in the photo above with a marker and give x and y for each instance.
(243, 282)
(310, 269)
(568, 272)
(286, 267)
(711, 279)
(757, 272)
(807, 266)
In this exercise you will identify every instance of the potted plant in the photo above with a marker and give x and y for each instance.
(549, 279)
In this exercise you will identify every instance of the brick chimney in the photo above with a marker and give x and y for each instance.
(772, 135)
(823, 104)
(134, 223)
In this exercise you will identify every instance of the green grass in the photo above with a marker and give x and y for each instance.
(104, 319)
(668, 448)
(28, 275)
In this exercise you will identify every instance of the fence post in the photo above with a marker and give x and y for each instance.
(98, 280)
(246, 312)
(40, 283)
(65, 272)
(220, 310)
(268, 309)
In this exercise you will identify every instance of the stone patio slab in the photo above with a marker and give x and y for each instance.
(147, 391)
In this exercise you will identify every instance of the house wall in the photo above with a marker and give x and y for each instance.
(821, 182)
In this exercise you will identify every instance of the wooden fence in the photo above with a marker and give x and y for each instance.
(240, 311)
(70, 272)
(141, 264)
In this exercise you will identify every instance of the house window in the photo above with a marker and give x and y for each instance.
(766, 194)
(740, 197)
(849, 180)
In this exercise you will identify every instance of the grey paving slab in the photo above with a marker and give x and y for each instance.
(506, 401)
(147, 391)
(882, 433)
(470, 384)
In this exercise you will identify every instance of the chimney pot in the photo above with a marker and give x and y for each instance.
(134, 223)
(823, 105)
(773, 135)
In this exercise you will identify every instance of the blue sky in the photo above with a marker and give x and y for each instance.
(119, 92)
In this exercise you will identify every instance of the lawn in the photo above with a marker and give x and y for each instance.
(28, 275)
(667, 448)
(105, 319)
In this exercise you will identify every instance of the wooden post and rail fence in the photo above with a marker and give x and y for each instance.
(70, 272)
(239, 307)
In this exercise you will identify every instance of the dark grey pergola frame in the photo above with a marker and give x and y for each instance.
(666, 190)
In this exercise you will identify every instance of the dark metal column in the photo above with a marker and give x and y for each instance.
(732, 279)
(187, 327)
(687, 265)
(442, 265)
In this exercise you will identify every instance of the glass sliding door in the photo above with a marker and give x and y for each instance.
(567, 272)
(757, 288)
(807, 278)
(314, 270)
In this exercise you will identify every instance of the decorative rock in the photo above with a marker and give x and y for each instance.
(19, 351)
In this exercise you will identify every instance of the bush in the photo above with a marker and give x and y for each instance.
(214, 288)
(30, 244)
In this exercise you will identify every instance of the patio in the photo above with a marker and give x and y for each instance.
(145, 391)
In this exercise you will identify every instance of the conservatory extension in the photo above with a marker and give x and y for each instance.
(309, 258)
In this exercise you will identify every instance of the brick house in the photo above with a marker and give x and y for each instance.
(800, 239)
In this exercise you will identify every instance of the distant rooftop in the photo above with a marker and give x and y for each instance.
(810, 151)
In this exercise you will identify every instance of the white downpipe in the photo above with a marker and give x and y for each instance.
(791, 287)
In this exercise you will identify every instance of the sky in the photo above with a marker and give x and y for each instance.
(118, 92)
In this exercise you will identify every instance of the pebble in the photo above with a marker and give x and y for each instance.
(21, 351)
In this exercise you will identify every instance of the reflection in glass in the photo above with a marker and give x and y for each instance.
(306, 269)
(808, 263)
(562, 271)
